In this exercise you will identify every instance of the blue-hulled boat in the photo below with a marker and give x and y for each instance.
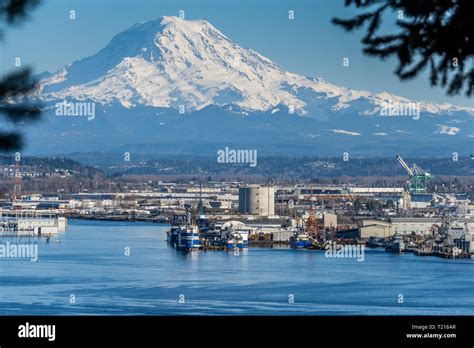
(300, 240)
(188, 238)
(234, 240)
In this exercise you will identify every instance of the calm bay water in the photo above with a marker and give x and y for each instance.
(89, 262)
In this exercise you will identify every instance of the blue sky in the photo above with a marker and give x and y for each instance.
(309, 45)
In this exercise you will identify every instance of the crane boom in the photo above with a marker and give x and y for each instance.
(404, 165)
(418, 176)
(420, 171)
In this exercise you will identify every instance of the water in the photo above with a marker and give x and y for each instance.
(88, 263)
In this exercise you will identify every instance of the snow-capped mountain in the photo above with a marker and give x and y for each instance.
(188, 82)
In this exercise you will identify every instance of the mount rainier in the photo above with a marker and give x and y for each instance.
(180, 86)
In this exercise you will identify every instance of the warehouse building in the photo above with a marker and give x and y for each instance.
(415, 225)
(375, 228)
(330, 220)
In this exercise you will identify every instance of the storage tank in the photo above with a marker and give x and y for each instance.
(257, 200)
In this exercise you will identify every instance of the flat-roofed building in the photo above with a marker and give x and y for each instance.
(330, 220)
(421, 200)
(415, 225)
(375, 228)
(466, 244)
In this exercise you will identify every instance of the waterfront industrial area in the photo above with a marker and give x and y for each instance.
(212, 166)
(230, 215)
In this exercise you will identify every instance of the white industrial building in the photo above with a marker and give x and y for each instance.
(34, 222)
(466, 244)
(415, 225)
(457, 231)
(42, 225)
(330, 220)
(375, 228)
(372, 190)
(420, 226)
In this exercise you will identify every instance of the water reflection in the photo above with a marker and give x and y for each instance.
(27, 237)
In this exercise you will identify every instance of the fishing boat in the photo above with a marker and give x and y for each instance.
(376, 242)
(188, 238)
(234, 240)
(176, 222)
(396, 245)
(236, 234)
(300, 240)
(243, 235)
(172, 235)
(203, 224)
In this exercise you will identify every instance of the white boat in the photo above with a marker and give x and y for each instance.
(236, 234)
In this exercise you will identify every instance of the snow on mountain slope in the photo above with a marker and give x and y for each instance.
(175, 63)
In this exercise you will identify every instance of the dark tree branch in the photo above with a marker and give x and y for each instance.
(438, 34)
(16, 10)
(15, 88)
(10, 141)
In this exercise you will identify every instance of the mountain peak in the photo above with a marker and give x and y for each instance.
(171, 62)
(195, 24)
(232, 95)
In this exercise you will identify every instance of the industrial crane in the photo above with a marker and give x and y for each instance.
(312, 221)
(417, 176)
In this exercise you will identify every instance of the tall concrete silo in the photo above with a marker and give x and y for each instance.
(257, 200)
